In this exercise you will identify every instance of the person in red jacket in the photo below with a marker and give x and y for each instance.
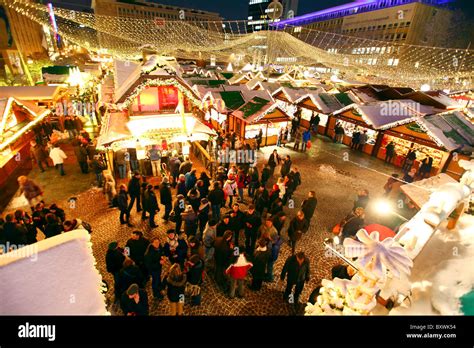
(237, 273)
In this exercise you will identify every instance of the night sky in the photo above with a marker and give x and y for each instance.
(237, 9)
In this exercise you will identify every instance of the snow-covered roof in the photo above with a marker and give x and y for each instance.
(31, 92)
(10, 127)
(126, 74)
(239, 77)
(447, 101)
(451, 130)
(388, 114)
(255, 109)
(253, 83)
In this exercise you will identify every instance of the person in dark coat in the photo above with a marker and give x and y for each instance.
(134, 301)
(190, 220)
(362, 199)
(166, 197)
(185, 167)
(81, 155)
(297, 271)
(309, 206)
(298, 226)
(134, 191)
(175, 282)
(206, 183)
(175, 163)
(389, 152)
(11, 233)
(178, 208)
(175, 248)
(409, 160)
(425, 168)
(253, 181)
(39, 155)
(223, 226)
(143, 188)
(204, 211)
(261, 199)
(260, 260)
(154, 260)
(114, 259)
(342, 272)
(60, 214)
(130, 274)
(26, 225)
(276, 207)
(53, 226)
(195, 267)
(194, 198)
(353, 223)
(285, 166)
(122, 202)
(39, 216)
(266, 174)
(237, 222)
(98, 166)
(273, 161)
(278, 221)
(252, 222)
(150, 204)
(223, 252)
(181, 187)
(135, 248)
(217, 199)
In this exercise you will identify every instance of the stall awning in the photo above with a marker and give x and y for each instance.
(113, 129)
(154, 128)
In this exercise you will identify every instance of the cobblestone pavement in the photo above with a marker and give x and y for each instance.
(335, 191)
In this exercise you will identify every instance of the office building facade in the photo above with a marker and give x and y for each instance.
(418, 22)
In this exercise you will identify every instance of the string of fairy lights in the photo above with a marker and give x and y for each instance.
(230, 41)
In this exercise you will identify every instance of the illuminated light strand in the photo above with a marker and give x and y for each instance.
(123, 37)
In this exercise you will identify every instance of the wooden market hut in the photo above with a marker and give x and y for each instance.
(18, 119)
(411, 126)
(258, 114)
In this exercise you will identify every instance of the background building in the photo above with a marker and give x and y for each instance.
(258, 18)
(290, 8)
(419, 22)
(144, 9)
(20, 38)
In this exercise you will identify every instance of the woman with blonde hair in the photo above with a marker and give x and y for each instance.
(176, 285)
(109, 188)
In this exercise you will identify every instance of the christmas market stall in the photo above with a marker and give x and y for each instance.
(259, 114)
(440, 136)
(18, 119)
(155, 105)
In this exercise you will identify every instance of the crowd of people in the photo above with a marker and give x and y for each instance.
(229, 226)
